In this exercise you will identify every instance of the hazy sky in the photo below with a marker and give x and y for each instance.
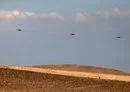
(47, 25)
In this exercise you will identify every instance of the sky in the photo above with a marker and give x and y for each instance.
(46, 26)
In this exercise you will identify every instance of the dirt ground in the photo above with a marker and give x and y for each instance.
(26, 81)
(82, 68)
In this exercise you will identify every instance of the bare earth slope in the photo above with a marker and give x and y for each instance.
(25, 79)
(82, 68)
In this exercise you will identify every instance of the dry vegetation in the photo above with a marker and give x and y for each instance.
(81, 68)
(26, 81)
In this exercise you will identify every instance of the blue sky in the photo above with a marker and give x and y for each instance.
(64, 6)
(47, 25)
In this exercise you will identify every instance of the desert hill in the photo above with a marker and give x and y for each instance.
(19, 79)
(82, 68)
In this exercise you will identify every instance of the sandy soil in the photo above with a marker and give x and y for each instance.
(73, 73)
(26, 79)
(82, 68)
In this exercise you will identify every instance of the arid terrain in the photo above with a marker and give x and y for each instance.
(51, 78)
(82, 68)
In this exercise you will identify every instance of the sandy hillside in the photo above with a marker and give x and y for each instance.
(19, 79)
(82, 68)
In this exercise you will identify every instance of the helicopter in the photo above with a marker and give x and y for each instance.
(72, 34)
(19, 29)
(118, 37)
